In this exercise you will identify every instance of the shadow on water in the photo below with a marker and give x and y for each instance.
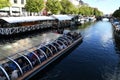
(31, 34)
(116, 75)
(42, 74)
(15, 37)
(117, 42)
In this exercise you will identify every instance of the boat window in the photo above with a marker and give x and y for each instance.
(64, 41)
(56, 45)
(47, 52)
(43, 52)
(40, 54)
(49, 49)
(59, 42)
(33, 58)
(53, 49)
(3, 74)
(70, 38)
(61, 46)
(10, 67)
(67, 40)
(22, 61)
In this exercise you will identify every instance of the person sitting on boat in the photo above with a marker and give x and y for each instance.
(7, 68)
(42, 57)
(48, 53)
(14, 75)
(20, 62)
(23, 64)
(34, 58)
(62, 47)
(2, 76)
(53, 50)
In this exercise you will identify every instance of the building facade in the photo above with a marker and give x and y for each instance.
(16, 8)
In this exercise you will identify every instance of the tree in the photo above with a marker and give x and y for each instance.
(97, 12)
(34, 5)
(53, 6)
(67, 7)
(116, 13)
(4, 3)
(88, 11)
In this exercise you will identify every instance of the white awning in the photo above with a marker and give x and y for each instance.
(26, 19)
(62, 17)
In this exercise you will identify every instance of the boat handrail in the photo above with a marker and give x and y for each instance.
(34, 55)
(67, 39)
(60, 41)
(26, 59)
(53, 46)
(43, 52)
(5, 72)
(16, 64)
(64, 40)
(48, 49)
(56, 43)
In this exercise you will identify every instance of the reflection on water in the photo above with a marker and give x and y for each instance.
(19, 45)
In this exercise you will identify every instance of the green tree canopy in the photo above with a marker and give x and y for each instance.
(53, 6)
(68, 7)
(87, 11)
(116, 13)
(97, 12)
(4, 3)
(34, 5)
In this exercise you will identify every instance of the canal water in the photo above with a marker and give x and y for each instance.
(96, 58)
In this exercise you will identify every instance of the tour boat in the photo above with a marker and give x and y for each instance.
(25, 64)
(15, 25)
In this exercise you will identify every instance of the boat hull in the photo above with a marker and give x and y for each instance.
(40, 67)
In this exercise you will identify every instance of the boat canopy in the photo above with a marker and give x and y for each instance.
(62, 17)
(25, 19)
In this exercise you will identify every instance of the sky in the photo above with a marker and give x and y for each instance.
(106, 6)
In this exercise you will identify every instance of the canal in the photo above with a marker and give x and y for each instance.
(96, 58)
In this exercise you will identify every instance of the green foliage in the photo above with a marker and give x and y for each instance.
(68, 7)
(34, 5)
(117, 13)
(87, 11)
(97, 12)
(53, 6)
(4, 3)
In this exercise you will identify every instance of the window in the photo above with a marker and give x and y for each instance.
(22, 1)
(15, 1)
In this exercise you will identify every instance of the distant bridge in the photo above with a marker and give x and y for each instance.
(102, 17)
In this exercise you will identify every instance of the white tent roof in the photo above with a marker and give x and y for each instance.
(62, 17)
(26, 19)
